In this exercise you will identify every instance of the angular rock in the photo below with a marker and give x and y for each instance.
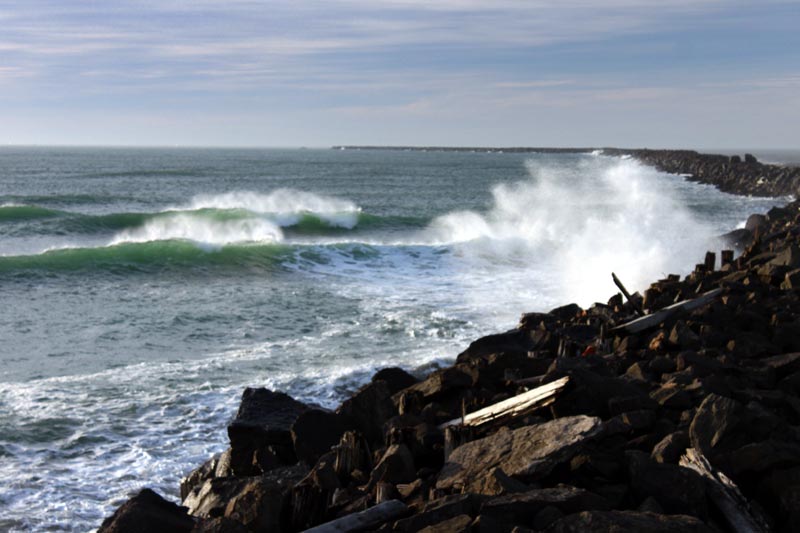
(262, 426)
(259, 505)
(716, 427)
(148, 512)
(522, 508)
(670, 448)
(396, 378)
(219, 525)
(396, 466)
(672, 396)
(628, 521)
(439, 510)
(369, 409)
(527, 453)
(314, 433)
(675, 488)
(210, 499)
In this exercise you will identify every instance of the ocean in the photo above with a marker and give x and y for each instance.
(144, 289)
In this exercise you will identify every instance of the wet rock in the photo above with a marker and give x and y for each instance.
(619, 521)
(527, 453)
(260, 433)
(369, 409)
(445, 380)
(314, 433)
(147, 511)
(396, 378)
(199, 475)
(515, 340)
(756, 222)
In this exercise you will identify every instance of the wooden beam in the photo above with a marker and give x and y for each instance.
(649, 321)
(512, 407)
(726, 495)
(365, 520)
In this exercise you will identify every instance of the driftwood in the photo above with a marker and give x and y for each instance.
(625, 292)
(512, 407)
(726, 495)
(649, 321)
(365, 520)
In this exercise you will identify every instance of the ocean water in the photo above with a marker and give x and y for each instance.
(143, 289)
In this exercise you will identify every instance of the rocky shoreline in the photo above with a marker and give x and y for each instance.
(674, 410)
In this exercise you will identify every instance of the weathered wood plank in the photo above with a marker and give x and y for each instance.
(365, 520)
(726, 495)
(516, 406)
(649, 321)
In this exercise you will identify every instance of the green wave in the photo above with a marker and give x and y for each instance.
(17, 213)
(51, 221)
(150, 256)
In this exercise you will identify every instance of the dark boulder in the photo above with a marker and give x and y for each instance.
(314, 433)
(369, 409)
(260, 434)
(148, 512)
(522, 507)
(675, 488)
(396, 378)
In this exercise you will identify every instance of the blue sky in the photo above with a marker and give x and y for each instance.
(674, 73)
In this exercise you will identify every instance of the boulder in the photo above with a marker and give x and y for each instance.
(210, 499)
(515, 340)
(439, 510)
(522, 507)
(260, 434)
(396, 466)
(717, 426)
(147, 511)
(396, 378)
(314, 433)
(219, 525)
(620, 521)
(259, 505)
(369, 409)
(527, 453)
(670, 448)
(675, 488)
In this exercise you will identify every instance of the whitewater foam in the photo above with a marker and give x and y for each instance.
(286, 205)
(201, 230)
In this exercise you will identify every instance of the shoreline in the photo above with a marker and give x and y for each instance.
(602, 450)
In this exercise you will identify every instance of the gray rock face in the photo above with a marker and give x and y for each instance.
(618, 521)
(527, 453)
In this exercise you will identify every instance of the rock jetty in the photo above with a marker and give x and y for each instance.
(673, 410)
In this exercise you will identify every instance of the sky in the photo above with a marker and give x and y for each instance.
(629, 73)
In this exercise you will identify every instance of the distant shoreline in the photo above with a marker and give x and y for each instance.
(733, 174)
